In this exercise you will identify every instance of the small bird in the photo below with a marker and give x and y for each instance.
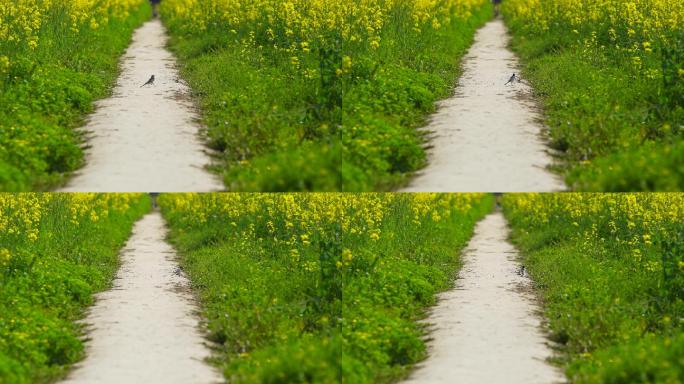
(149, 82)
(512, 79)
(522, 271)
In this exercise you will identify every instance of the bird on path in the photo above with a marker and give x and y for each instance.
(511, 80)
(522, 271)
(149, 82)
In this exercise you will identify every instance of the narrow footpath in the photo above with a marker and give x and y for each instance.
(145, 329)
(487, 329)
(488, 136)
(145, 139)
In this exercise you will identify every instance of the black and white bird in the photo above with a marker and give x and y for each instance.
(522, 271)
(511, 80)
(149, 82)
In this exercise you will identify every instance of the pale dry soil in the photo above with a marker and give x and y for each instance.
(145, 139)
(488, 328)
(488, 136)
(145, 329)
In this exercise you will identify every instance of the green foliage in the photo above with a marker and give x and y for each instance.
(276, 129)
(606, 117)
(655, 359)
(391, 281)
(273, 312)
(610, 271)
(45, 284)
(319, 287)
(308, 360)
(391, 90)
(309, 167)
(351, 127)
(653, 167)
(46, 92)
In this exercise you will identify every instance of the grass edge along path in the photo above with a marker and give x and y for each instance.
(263, 268)
(265, 79)
(46, 91)
(315, 95)
(57, 251)
(391, 281)
(611, 88)
(392, 90)
(610, 272)
(319, 287)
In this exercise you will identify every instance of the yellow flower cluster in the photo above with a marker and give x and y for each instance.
(23, 21)
(366, 215)
(297, 221)
(22, 214)
(297, 27)
(634, 27)
(630, 223)
(294, 28)
(366, 212)
(368, 18)
(289, 222)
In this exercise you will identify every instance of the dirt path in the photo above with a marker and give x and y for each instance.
(487, 138)
(487, 329)
(144, 330)
(145, 139)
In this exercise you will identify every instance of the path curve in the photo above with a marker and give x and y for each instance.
(487, 329)
(487, 137)
(145, 139)
(145, 329)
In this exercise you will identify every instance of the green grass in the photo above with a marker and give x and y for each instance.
(390, 93)
(616, 129)
(274, 129)
(46, 283)
(351, 127)
(391, 281)
(46, 92)
(322, 288)
(273, 313)
(609, 269)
